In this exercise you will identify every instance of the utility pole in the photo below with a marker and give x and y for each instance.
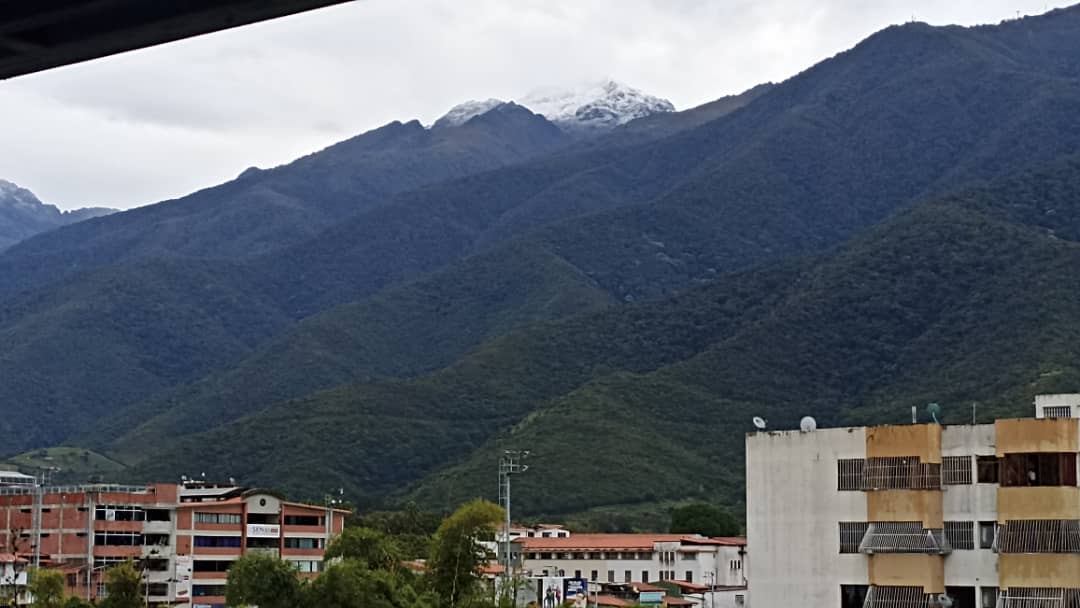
(509, 464)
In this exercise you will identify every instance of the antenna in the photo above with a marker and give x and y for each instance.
(760, 423)
(934, 410)
(808, 424)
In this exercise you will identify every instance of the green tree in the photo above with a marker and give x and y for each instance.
(410, 527)
(453, 569)
(372, 548)
(74, 601)
(47, 587)
(123, 587)
(350, 584)
(705, 519)
(264, 581)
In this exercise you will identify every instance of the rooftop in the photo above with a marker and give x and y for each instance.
(621, 542)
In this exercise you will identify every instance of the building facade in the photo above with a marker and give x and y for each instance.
(183, 537)
(919, 515)
(636, 558)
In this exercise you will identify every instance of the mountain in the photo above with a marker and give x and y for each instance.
(595, 107)
(262, 210)
(968, 297)
(797, 169)
(22, 215)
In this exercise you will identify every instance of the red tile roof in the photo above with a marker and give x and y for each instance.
(611, 600)
(9, 558)
(677, 601)
(688, 586)
(619, 542)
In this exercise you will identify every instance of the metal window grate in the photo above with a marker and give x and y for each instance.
(849, 473)
(903, 537)
(1058, 411)
(960, 534)
(901, 473)
(1039, 536)
(1039, 598)
(897, 597)
(851, 535)
(956, 470)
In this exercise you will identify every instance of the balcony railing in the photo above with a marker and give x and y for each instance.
(1039, 598)
(898, 597)
(888, 473)
(904, 537)
(1039, 536)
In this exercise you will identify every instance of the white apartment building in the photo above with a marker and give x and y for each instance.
(920, 515)
(637, 558)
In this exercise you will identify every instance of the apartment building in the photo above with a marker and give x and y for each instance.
(637, 558)
(919, 515)
(183, 537)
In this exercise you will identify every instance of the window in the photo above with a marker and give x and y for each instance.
(118, 539)
(304, 543)
(205, 590)
(960, 534)
(1059, 411)
(956, 470)
(987, 531)
(304, 520)
(689, 556)
(263, 543)
(689, 576)
(851, 535)
(118, 513)
(577, 573)
(740, 600)
(585, 556)
(988, 469)
(157, 589)
(218, 518)
(217, 541)
(989, 596)
(852, 596)
(545, 556)
(1043, 469)
(644, 576)
(308, 566)
(593, 576)
(211, 565)
(611, 576)
(849, 473)
(736, 564)
(627, 577)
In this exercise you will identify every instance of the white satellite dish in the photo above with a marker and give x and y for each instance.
(808, 424)
(759, 422)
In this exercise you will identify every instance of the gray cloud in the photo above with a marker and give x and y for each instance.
(160, 122)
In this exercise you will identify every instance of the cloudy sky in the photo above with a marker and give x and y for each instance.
(158, 123)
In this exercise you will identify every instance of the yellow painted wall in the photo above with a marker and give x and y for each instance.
(906, 505)
(908, 570)
(1030, 435)
(1038, 570)
(1050, 502)
(922, 440)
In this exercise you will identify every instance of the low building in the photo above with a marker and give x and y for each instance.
(919, 515)
(635, 558)
(183, 537)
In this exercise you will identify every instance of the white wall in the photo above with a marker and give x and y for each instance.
(793, 509)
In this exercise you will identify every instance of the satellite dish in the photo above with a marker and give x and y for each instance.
(760, 423)
(808, 424)
(934, 410)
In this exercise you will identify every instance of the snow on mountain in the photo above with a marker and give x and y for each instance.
(592, 108)
(598, 106)
(461, 113)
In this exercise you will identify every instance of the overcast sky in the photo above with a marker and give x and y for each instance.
(158, 123)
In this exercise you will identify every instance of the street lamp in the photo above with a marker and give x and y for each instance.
(509, 464)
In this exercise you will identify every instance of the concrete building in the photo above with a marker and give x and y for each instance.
(710, 565)
(920, 515)
(183, 537)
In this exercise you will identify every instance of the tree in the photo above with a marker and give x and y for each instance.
(453, 569)
(263, 581)
(47, 588)
(123, 586)
(349, 584)
(374, 549)
(74, 601)
(705, 519)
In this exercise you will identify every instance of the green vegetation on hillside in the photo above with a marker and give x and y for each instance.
(67, 464)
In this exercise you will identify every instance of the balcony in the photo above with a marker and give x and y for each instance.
(888, 473)
(268, 551)
(903, 537)
(1038, 536)
(161, 551)
(157, 527)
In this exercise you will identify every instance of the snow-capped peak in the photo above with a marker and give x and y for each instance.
(601, 105)
(463, 112)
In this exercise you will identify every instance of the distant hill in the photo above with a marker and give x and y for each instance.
(22, 215)
(971, 297)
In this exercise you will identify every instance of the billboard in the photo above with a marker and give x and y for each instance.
(557, 591)
(183, 578)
